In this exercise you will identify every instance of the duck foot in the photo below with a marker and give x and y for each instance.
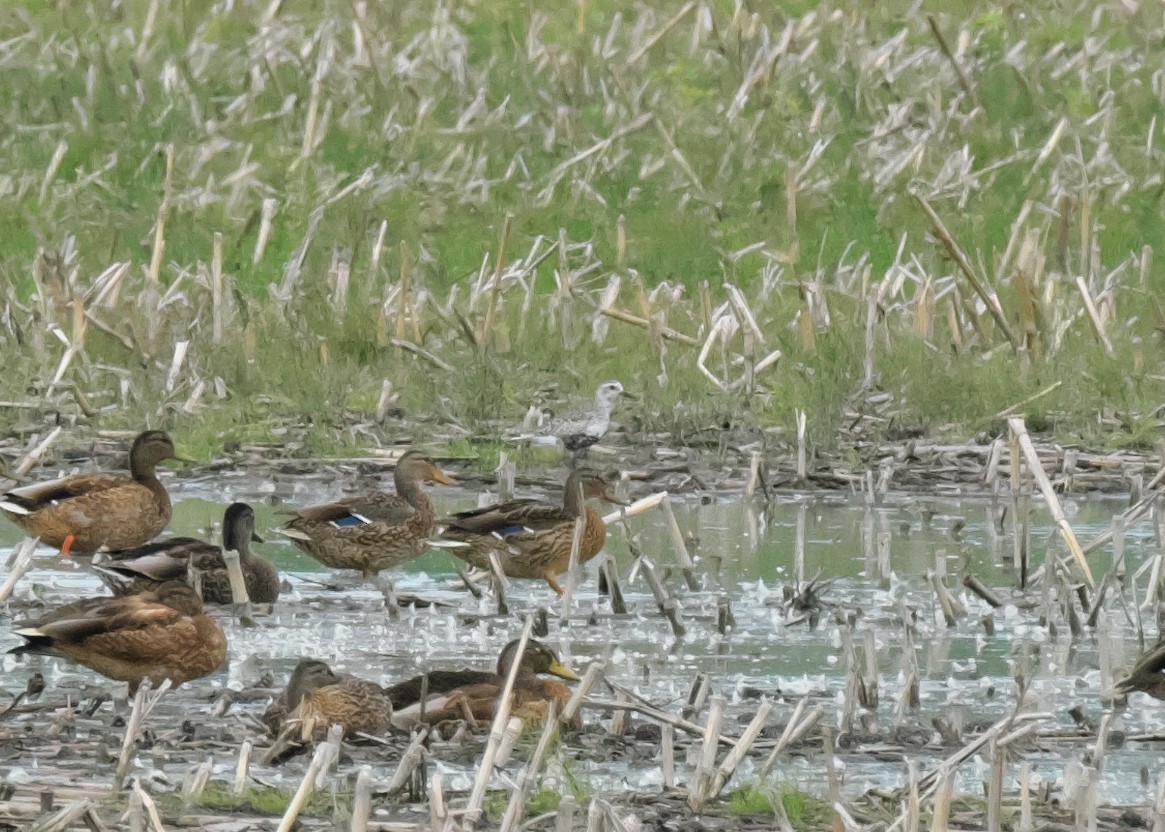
(335, 582)
(552, 580)
(385, 587)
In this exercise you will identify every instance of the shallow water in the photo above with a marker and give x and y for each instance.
(746, 554)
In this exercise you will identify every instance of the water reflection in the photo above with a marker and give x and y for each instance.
(873, 562)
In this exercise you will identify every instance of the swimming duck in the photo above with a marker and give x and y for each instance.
(163, 634)
(474, 694)
(532, 538)
(82, 513)
(373, 531)
(144, 568)
(1147, 675)
(317, 698)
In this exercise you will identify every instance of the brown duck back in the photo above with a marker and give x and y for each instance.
(189, 648)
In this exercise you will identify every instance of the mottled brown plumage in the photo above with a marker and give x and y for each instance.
(82, 513)
(157, 635)
(308, 675)
(316, 698)
(1147, 675)
(532, 538)
(146, 567)
(474, 694)
(375, 531)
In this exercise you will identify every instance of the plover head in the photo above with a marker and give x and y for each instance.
(607, 396)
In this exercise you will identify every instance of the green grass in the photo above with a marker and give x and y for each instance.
(803, 810)
(543, 801)
(749, 800)
(445, 171)
(538, 803)
(561, 779)
(260, 800)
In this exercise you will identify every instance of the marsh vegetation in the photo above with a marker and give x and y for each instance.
(841, 252)
(235, 216)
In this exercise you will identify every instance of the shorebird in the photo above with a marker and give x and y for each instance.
(578, 430)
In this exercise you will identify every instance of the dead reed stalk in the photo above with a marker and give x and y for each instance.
(796, 728)
(572, 569)
(501, 717)
(517, 805)
(241, 768)
(21, 562)
(143, 703)
(323, 752)
(30, 459)
(66, 817)
(683, 559)
(362, 803)
(736, 756)
(487, 323)
(701, 788)
(593, 674)
(1036, 469)
(956, 253)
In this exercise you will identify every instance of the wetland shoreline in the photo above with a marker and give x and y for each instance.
(913, 466)
(204, 722)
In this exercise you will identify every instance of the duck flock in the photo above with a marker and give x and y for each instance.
(154, 626)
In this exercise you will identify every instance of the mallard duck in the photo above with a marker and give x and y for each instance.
(145, 567)
(474, 694)
(163, 634)
(82, 513)
(373, 531)
(316, 698)
(1147, 675)
(532, 538)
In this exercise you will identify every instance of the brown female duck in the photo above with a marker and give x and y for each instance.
(373, 531)
(82, 513)
(474, 694)
(144, 568)
(532, 538)
(156, 635)
(316, 699)
(1147, 675)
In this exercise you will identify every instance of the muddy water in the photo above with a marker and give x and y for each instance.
(742, 552)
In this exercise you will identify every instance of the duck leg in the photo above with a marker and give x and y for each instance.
(550, 578)
(387, 588)
(67, 545)
(335, 581)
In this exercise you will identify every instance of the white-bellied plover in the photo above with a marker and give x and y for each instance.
(580, 429)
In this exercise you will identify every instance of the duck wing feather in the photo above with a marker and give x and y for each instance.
(375, 507)
(38, 495)
(408, 692)
(510, 518)
(91, 617)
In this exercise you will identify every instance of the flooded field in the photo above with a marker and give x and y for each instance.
(745, 551)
